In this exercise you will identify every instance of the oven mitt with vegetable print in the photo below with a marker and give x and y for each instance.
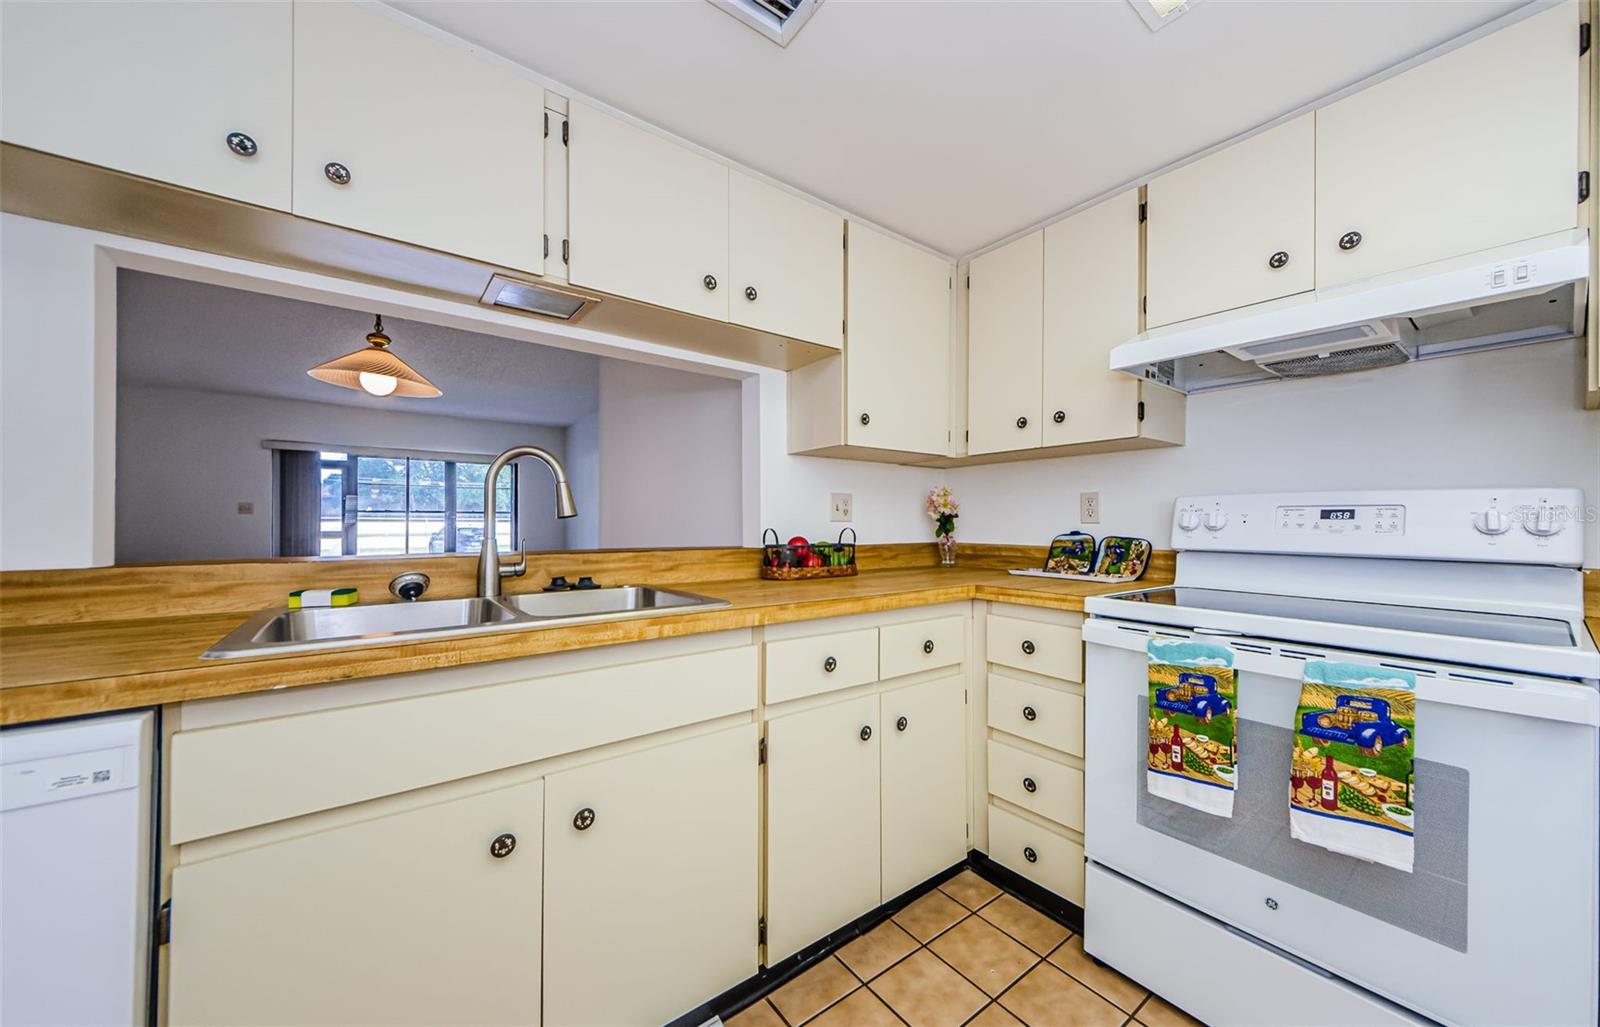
(1193, 756)
(1351, 770)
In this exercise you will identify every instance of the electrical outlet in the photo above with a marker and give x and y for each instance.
(1089, 507)
(840, 507)
(247, 509)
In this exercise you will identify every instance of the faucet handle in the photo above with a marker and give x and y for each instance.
(519, 568)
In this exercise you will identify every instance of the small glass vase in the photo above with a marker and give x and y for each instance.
(947, 550)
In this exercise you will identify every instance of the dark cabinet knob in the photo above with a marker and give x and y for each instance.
(901, 724)
(750, 293)
(866, 418)
(503, 845)
(1349, 240)
(242, 144)
(1279, 259)
(830, 665)
(866, 732)
(1059, 417)
(710, 282)
(1029, 785)
(1029, 855)
(337, 173)
(583, 819)
(1027, 646)
(1029, 713)
(1022, 422)
(927, 647)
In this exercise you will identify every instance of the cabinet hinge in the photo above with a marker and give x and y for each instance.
(969, 281)
(1144, 304)
(565, 133)
(164, 923)
(547, 246)
(844, 241)
(1144, 212)
(1583, 39)
(1583, 186)
(1141, 410)
(761, 753)
(566, 251)
(761, 931)
(547, 124)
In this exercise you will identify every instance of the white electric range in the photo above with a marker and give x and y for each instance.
(1479, 592)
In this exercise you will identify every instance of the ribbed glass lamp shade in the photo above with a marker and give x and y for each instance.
(375, 370)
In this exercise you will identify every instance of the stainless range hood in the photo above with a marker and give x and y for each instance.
(1535, 291)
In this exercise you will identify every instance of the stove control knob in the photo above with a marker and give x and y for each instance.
(1543, 523)
(1491, 522)
(1188, 520)
(1216, 520)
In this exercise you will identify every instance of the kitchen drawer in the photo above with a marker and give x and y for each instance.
(236, 776)
(921, 645)
(1039, 713)
(798, 667)
(1057, 789)
(1055, 650)
(1056, 863)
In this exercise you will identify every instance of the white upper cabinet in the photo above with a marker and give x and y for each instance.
(897, 371)
(785, 263)
(410, 137)
(648, 219)
(198, 95)
(1091, 305)
(1005, 333)
(1234, 228)
(1474, 149)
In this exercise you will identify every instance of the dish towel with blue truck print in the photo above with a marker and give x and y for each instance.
(1351, 770)
(1193, 754)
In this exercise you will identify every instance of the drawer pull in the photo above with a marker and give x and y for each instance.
(242, 144)
(901, 724)
(503, 845)
(1029, 785)
(927, 647)
(1028, 647)
(1029, 713)
(1278, 260)
(1349, 240)
(830, 665)
(584, 819)
(866, 732)
(1029, 855)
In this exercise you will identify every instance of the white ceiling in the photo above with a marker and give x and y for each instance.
(958, 122)
(185, 334)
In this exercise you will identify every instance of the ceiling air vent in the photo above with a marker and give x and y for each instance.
(778, 20)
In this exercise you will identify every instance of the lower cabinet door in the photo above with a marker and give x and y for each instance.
(650, 878)
(822, 822)
(924, 782)
(425, 915)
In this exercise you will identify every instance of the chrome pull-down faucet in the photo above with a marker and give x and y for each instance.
(490, 570)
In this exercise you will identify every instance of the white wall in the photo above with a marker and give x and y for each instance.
(186, 459)
(583, 471)
(1505, 417)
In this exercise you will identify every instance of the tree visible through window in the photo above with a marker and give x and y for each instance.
(398, 506)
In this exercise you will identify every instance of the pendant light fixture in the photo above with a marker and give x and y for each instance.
(375, 370)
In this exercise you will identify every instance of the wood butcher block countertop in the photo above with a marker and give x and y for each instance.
(68, 652)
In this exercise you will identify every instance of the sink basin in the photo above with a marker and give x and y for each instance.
(283, 631)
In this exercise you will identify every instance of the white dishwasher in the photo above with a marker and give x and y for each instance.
(76, 803)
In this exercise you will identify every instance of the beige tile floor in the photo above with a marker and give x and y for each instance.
(964, 953)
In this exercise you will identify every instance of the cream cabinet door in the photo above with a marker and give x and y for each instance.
(403, 918)
(897, 359)
(1234, 228)
(924, 781)
(1474, 149)
(1005, 337)
(156, 90)
(822, 822)
(648, 219)
(1091, 306)
(785, 263)
(650, 880)
(439, 147)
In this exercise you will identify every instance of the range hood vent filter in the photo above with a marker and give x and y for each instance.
(1361, 358)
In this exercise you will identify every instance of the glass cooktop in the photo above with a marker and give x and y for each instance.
(1498, 627)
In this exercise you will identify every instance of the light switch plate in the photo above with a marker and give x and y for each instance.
(247, 509)
(839, 508)
(1089, 507)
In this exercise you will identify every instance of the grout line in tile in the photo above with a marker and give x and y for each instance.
(1037, 959)
(835, 1002)
(776, 1011)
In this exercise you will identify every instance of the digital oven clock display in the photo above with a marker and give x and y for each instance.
(1344, 513)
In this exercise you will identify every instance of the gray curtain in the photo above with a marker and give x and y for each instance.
(299, 502)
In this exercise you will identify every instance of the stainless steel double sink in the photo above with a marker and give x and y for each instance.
(282, 631)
